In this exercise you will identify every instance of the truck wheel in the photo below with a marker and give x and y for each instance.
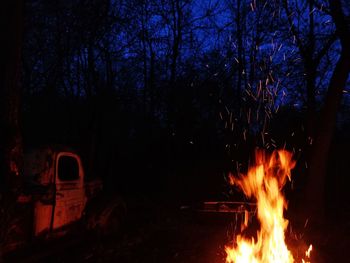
(105, 217)
(113, 224)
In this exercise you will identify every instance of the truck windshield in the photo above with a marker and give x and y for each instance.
(68, 168)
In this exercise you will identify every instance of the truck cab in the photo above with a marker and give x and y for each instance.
(57, 195)
(57, 187)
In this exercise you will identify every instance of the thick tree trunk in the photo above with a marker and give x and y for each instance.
(310, 68)
(315, 190)
(319, 153)
(10, 136)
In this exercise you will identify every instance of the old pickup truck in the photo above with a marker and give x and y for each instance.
(57, 195)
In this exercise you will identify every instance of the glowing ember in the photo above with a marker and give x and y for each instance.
(264, 182)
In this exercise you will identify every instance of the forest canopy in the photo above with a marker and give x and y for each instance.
(168, 84)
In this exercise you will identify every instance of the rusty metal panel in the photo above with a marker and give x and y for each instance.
(42, 218)
(60, 202)
(70, 195)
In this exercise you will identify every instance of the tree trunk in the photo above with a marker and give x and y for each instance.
(319, 153)
(10, 136)
(315, 189)
(240, 51)
(177, 38)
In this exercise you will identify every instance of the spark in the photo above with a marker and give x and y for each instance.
(252, 7)
(280, 47)
(313, 10)
(248, 115)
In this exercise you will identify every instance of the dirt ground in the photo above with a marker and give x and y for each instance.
(161, 233)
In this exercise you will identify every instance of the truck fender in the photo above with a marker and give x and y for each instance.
(105, 215)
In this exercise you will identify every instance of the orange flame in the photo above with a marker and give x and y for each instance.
(264, 182)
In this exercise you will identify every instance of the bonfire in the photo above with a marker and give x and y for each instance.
(264, 183)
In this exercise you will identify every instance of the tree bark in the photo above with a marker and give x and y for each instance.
(315, 189)
(10, 135)
(177, 38)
